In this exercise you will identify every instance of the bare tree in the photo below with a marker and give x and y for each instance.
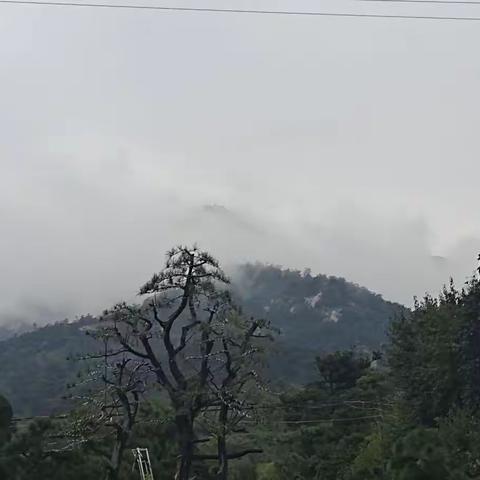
(175, 331)
(109, 401)
(126, 387)
(182, 332)
(236, 383)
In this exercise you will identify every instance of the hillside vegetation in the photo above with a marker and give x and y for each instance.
(313, 314)
(400, 405)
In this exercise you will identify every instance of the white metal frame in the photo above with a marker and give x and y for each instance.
(143, 460)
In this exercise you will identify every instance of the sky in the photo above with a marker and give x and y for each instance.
(346, 145)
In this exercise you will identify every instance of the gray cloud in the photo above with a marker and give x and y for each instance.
(342, 145)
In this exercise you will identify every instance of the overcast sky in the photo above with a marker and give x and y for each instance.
(346, 145)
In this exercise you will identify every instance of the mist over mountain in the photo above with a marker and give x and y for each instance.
(313, 314)
(395, 256)
(392, 255)
(12, 330)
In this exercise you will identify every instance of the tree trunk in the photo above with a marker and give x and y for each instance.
(222, 472)
(184, 425)
(116, 457)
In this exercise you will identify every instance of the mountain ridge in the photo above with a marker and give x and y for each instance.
(314, 315)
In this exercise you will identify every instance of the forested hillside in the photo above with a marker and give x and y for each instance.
(182, 375)
(37, 366)
(313, 315)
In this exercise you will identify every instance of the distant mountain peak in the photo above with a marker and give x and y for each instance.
(215, 208)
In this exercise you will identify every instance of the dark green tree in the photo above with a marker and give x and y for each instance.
(341, 370)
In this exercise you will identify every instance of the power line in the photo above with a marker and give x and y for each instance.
(367, 405)
(237, 11)
(320, 420)
(322, 405)
(435, 2)
(328, 420)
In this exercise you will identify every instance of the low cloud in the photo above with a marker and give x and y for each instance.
(69, 270)
(327, 149)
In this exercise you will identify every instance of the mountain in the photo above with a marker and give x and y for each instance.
(313, 314)
(35, 367)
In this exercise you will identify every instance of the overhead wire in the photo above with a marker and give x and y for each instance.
(238, 10)
(359, 404)
(427, 2)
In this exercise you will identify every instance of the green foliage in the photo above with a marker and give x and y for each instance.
(324, 428)
(41, 450)
(416, 417)
(450, 451)
(435, 354)
(341, 370)
(433, 424)
(369, 463)
(267, 471)
(155, 431)
(420, 455)
(32, 454)
(424, 357)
